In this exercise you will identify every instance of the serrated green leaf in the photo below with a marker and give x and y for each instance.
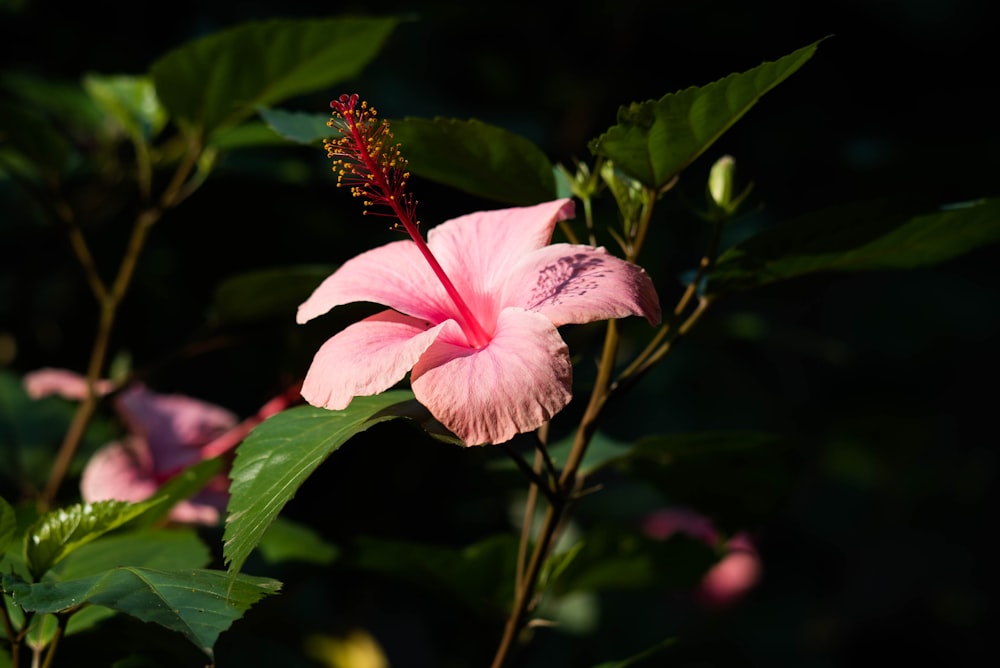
(216, 81)
(131, 101)
(161, 549)
(8, 524)
(277, 457)
(200, 604)
(654, 140)
(296, 126)
(267, 293)
(477, 158)
(58, 533)
(856, 237)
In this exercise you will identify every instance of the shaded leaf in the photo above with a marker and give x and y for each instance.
(180, 487)
(648, 653)
(56, 534)
(299, 127)
(737, 478)
(617, 558)
(246, 135)
(34, 138)
(221, 79)
(479, 576)
(8, 524)
(277, 457)
(654, 140)
(856, 237)
(477, 158)
(267, 293)
(200, 604)
(285, 540)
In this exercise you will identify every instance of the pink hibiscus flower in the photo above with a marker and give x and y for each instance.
(495, 365)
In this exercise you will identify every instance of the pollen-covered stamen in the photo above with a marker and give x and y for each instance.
(366, 160)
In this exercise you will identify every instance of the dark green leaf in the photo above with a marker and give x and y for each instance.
(616, 558)
(246, 135)
(654, 140)
(735, 478)
(479, 576)
(201, 604)
(641, 656)
(856, 237)
(285, 540)
(297, 126)
(58, 533)
(219, 80)
(477, 158)
(267, 293)
(162, 549)
(8, 524)
(278, 456)
(35, 139)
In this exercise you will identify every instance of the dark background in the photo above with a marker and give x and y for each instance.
(878, 551)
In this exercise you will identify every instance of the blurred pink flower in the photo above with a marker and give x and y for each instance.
(497, 368)
(166, 434)
(735, 574)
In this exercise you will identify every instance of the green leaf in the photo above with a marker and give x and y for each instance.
(219, 80)
(162, 549)
(736, 478)
(654, 141)
(477, 158)
(34, 138)
(285, 540)
(648, 653)
(267, 293)
(58, 533)
(8, 524)
(131, 101)
(277, 457)
(251, 134)
(182, 486)
(856, 237)
(200, 604)
(479, 576)
(614, 558)
(297, 126)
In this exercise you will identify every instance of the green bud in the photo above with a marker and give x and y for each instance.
(720, 182)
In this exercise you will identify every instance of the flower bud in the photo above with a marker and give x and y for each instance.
(720, 181)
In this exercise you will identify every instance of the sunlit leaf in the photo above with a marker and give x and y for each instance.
(221, 79)
(857, 237)
(58, 533)
(654, 140)
(477, 158)
(277, 457)
(131, 101)
(200, 604)
(267, 293)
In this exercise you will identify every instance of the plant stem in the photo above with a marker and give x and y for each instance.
(61, 621)
(110, 299)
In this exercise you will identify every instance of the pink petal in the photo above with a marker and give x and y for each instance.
(175, 426)
(116, 473)
(394, 275)
(67, 384)
(368, 357)
(513, 385)
(579, 284)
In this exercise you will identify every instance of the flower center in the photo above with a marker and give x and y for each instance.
(375, 170)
